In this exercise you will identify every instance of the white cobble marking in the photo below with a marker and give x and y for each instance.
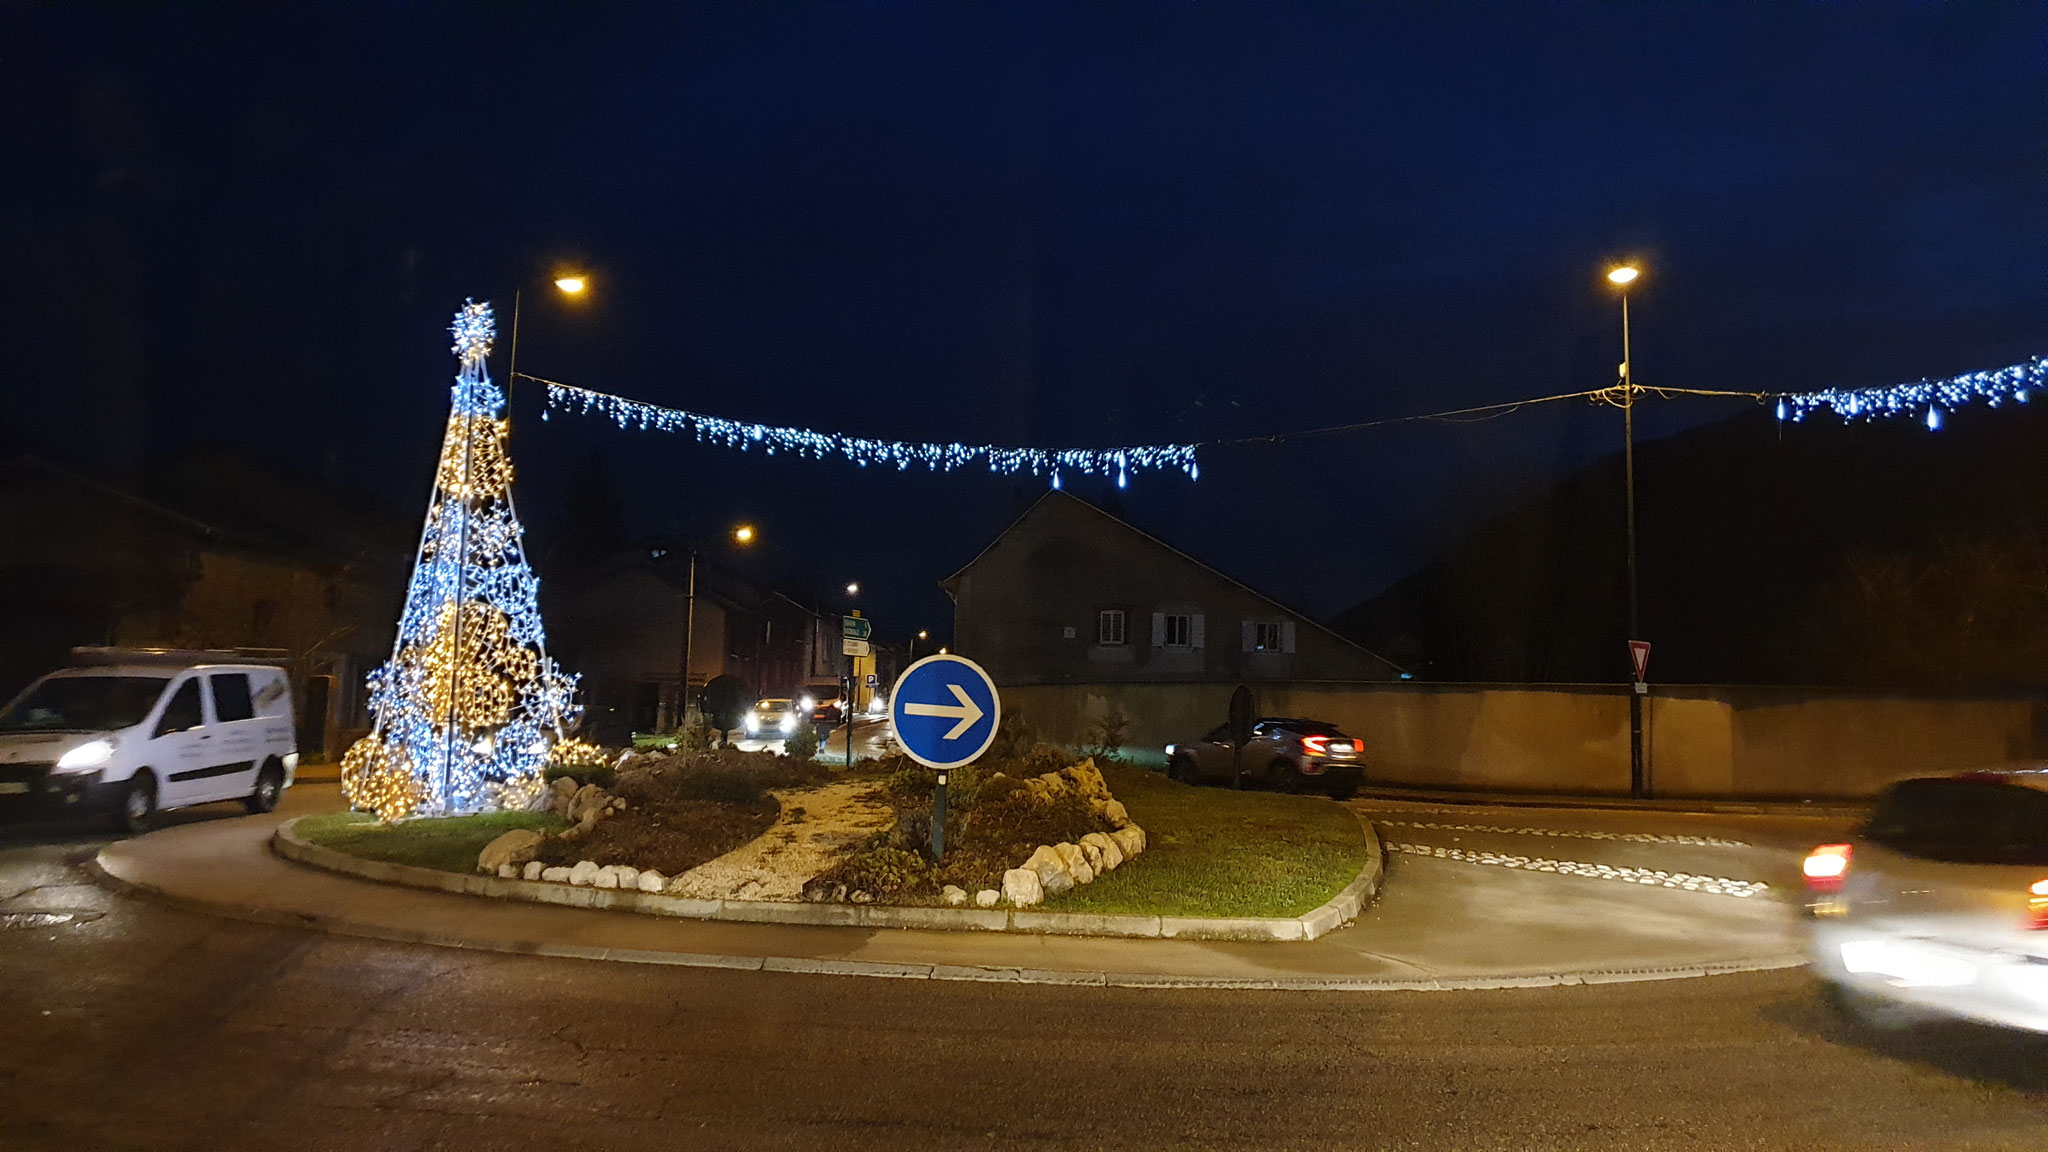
(1630, 837)
(1686, 881)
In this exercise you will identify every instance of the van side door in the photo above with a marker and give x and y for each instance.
(237, 745)
(178, 741)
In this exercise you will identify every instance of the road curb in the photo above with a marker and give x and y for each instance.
(994, 974)
(1816, 810)
(1333, 914)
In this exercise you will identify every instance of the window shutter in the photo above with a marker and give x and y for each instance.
(1248, 639)
(1159, 629)
(1195, 631)
(1287, 636)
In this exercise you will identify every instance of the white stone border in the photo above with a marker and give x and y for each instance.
(1340, 910)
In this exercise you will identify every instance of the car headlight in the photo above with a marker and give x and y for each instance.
(753, 722)
(90, 754)
(789, 723)
(807, 703)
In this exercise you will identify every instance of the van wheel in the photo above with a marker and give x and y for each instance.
(138, 804)
(1181, 769)
(269, 786)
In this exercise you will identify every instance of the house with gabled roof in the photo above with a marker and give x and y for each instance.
(1071, 594)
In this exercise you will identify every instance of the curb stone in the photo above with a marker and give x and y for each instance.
(1338, 911)
(949, 972)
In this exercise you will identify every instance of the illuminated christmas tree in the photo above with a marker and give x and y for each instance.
(469, 705)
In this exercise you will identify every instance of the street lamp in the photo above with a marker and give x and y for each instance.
(1621, 277)
(921, 635)
(569, 284)
(742, 535)
(853, 589)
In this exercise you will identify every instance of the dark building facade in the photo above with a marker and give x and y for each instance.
(622, 632)
(1069, 594)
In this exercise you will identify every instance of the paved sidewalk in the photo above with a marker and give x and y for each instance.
(1446, 933)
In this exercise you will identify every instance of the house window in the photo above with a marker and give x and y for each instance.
(1176, 631)
(1110, 628)
(1266, 636)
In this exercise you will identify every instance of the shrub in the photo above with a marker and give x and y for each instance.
(914, 781)
(602, 775)
(1013, 740)
(802, 743)
(1106, 736)
(884, 871)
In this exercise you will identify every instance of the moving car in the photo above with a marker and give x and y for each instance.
(134, 732)
(1284, 753)
(1939, 905)
(772, 718)
(826, 703)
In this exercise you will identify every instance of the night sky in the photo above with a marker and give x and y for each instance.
(1031, 224)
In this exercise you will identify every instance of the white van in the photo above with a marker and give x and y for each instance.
(130, 732)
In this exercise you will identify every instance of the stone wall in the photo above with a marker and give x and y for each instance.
(1699, 741)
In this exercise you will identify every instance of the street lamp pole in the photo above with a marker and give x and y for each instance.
(689, 633)
(1638, 783)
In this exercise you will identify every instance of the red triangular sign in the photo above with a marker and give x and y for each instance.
(1639, 654)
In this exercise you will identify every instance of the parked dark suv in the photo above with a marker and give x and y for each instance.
(1285, 753)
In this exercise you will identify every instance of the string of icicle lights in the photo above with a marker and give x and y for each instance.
(1925, 400)
(1121, 463)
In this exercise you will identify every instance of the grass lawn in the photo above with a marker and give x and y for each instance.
(1220, 852)
(449, 844)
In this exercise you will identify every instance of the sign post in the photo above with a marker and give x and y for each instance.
(854, 631)
(945, 711)
(1242, 714)
(1638, 777)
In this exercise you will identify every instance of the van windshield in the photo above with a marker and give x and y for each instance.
(83, 704)
(1964, 821)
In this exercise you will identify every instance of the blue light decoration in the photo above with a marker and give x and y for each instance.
(901, 455)
(1929, 400)
(469, 706)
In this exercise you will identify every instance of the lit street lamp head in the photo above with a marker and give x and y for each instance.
(1625, 274)
(923, 635)
(744, 534)
(853, 589)
(573, 285)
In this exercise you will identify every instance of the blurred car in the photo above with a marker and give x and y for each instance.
(826, 703)
(772, 718)
(1286, 754)
(1939, 905)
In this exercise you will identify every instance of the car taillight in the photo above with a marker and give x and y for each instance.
(1825, 866)
(2037, 905)
(1315, 745)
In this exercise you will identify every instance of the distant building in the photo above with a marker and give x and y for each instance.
(1069, 593)
(622, 632)
(222, 553)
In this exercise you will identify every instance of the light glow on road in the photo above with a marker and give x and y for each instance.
(1686, 881)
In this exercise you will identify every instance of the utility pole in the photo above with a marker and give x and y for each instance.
(1638, 782)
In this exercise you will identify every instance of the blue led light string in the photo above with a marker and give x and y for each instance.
(1925, 400)
(1121, 463)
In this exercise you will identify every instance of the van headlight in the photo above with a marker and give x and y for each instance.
(789, 722)
(88, 755)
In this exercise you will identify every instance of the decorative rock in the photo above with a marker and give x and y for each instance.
(863, 898)
(1092, 852)
(1086, 779)
(1022, 888)
(588, 799)
(1111, 854)
(583, 874)
(987, 898)
(819, 890)
(1076, 862)
(555, 875)
(955, 895)
(507, 872)
(1115, 812)
(607, 877)
(515, 848)
(1130, 838)
(651, 881)
(629, 876)
(561, 790)
(533, 870)
(1053, 874)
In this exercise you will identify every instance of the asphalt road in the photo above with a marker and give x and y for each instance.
(140, 1026)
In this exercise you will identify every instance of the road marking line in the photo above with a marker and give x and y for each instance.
(1712, 885)
(1631, 837)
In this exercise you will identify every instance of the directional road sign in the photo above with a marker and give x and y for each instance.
(852, 647)
(945, 711)
(856, 627)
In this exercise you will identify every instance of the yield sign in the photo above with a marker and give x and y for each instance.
(1639, 655)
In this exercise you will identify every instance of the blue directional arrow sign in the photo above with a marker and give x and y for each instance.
(945, 711)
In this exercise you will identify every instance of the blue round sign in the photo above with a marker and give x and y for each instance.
(945, 711)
